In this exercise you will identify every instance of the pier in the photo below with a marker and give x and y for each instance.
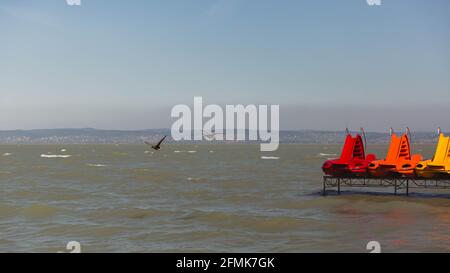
(398, 184)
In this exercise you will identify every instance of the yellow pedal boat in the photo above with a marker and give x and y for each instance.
(440, 164)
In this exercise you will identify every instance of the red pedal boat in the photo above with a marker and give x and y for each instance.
(353, 161)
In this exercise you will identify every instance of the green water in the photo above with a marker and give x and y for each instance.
(206, 198)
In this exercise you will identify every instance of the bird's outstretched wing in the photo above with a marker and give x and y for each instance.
(148, 143)
(162, 139)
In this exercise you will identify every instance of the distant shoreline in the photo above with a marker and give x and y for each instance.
(99, 136)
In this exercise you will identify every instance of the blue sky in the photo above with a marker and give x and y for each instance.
(123, 64)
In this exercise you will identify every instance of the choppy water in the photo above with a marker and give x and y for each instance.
(207, 198)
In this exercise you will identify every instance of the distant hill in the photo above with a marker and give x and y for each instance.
(79, 136)
(96, 136)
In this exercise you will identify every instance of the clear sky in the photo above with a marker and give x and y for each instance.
(123, 64)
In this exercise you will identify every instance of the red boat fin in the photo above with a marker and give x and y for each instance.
(353, 148)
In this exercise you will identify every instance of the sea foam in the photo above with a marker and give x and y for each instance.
(322, 154)
(270, 157)
(96, 165)
(55, 156)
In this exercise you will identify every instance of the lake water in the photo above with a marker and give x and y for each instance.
(204, 198)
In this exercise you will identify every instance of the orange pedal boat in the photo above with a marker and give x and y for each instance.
(399, 161)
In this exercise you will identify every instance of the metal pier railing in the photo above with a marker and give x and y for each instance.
(397, 183)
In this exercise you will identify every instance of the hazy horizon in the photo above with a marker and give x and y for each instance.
(351, 130)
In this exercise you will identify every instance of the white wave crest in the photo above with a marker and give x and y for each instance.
(96, 165)
(193, 179)
(270, 157)
(323, 154)
(55, 156)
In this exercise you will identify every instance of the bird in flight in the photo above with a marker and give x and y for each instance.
(157, 146)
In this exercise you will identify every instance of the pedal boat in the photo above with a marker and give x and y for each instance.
(399, 161)
(352, 162)
(440, 164)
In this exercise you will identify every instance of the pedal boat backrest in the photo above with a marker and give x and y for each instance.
(442, 155)
(353, 148)
(399, 149)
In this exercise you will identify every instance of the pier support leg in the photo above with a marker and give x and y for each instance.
(339, 186)
(324, 187)
(395, 186)
(407, 187)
